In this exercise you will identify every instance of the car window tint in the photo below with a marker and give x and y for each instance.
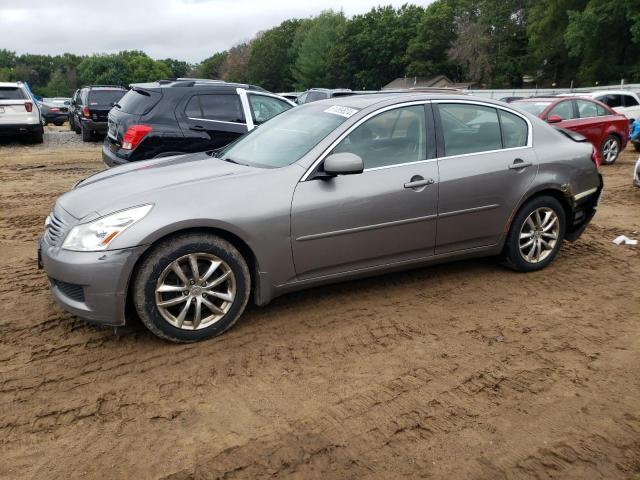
(564, 110)
(469, 128)
(105, 97)
(11, 93)
(586, 109)
(226, 108)
(193, 108)
(611, 100)
(602, 111)
(514, 130)
(314, 96)
(390, 138)
(630, 101)
(264, 108)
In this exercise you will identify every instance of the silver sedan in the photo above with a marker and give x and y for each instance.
(326, 192)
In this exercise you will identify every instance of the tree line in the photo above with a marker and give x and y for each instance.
(491, 43)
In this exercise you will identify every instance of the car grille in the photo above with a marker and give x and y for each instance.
(57, 229)
(70, 290)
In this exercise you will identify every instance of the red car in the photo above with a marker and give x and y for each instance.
(607, 130)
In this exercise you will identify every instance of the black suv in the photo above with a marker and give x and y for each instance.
(89, 109)
(177, 116)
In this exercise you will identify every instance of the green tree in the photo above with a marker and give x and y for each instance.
(272, 57)
(235, 65)
(212, 67)
(178, 68)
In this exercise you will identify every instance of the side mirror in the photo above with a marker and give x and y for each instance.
(343, 164)
(554, 119)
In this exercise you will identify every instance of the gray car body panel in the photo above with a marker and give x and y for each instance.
(304, 231)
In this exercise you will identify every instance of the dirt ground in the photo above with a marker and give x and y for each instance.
(461, 371)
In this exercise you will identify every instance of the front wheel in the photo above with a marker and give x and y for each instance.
(610, 149)
(192, 287)
(86, 135)
(536, 234)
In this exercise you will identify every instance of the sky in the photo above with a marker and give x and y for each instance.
(190, 30)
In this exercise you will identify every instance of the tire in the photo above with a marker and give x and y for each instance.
(636, 146)
(156, 269)
(514, 255)
(610, 150)
(86, 134)
(72, 124)
(58, 124)
(36, 137)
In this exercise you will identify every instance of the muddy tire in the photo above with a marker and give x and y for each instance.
(536, 234)
(191, 287)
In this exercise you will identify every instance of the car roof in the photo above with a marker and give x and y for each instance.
(11, 84)
(195, 82)
(363, 101)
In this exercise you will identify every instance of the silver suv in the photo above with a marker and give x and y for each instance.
(19, 112)
(325, 192)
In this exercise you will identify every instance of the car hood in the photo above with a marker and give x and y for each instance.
(139, 182)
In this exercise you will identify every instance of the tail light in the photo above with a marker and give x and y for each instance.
(28, 106)
(134, 136)
(85, 112)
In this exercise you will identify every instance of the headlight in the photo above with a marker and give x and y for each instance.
(97, 235)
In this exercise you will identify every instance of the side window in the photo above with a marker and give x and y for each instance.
(514, 130)
(393, 137)
(469, 128)
(586, 108)
(564, 110)
(612, 101)
(263, 108)
(602, 111)
(226, 108)
(193, 109)
(630, 101)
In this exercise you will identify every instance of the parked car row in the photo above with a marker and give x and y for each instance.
(327, 191)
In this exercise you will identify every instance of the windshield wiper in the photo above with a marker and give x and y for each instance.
(231, 160)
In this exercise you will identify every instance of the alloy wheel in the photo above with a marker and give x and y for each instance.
(610, 151)
(539, 235)
(195, 291)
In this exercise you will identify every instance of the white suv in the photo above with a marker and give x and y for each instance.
(622, 101)
(19, 113)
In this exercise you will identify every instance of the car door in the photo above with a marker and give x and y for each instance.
(215, 119)
(486, 165)
(383, 215)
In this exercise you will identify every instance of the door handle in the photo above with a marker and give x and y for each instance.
(518, 163)
(419, 182)
(197, 128)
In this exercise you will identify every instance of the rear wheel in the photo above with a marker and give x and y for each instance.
(536, 234)
(191, 288)
(58, 124)
(610, 149)
(86, 134)
(636, 145)
(72, 124)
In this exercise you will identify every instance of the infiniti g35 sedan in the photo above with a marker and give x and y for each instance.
(329, 191)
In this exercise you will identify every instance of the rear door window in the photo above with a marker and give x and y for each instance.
(105, 97)
(630, 101)
(11, 93)
(221, 107)
(564, 110)
(469, 128)
(515, 130)
(602, 111)
(586, 108)
(611, 100)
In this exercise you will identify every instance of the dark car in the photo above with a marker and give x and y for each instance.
(54, 110)
(177, 116)
(315, 94)
(89, 109)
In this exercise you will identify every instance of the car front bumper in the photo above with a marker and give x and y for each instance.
(91, 285)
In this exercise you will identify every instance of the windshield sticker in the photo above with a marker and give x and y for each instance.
(342, 111)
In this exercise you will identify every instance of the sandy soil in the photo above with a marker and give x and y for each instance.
(460, 371)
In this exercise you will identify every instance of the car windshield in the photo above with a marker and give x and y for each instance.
(532, 107)
(285, 139)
